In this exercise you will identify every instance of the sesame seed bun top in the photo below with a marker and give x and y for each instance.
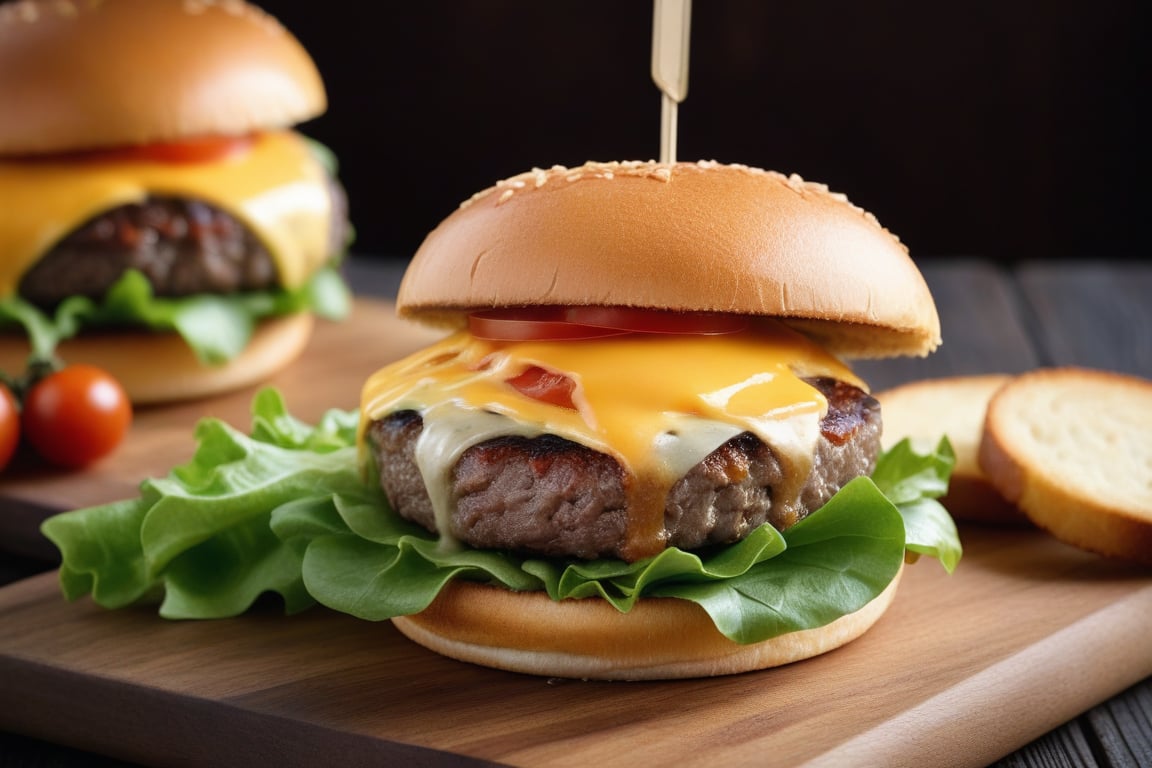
(699, 236)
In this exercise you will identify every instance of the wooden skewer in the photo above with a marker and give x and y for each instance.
(671, 21)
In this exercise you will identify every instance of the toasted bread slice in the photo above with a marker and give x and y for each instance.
(1073, 449)
(924, 411)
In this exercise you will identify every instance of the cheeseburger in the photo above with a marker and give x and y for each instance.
(160, 217)
(643, 390)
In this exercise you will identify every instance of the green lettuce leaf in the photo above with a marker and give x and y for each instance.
(914, 480)
(200, 536)
(43, 332)
(831, 563)
(286, 509)
(216, 327)
(101, 553)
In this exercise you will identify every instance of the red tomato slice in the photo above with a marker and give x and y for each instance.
(203, 150)
(638, 320)
(530, 325)
(546, 386)
(536, 323)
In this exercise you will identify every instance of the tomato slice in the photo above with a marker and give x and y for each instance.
(531, 325)
(635, 320)
(571, 323)
(546, 386)
(208, 149)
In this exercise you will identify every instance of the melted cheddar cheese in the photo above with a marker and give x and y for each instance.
(658, 404)
(278, 189)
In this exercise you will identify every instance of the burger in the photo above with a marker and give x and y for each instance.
(638, 448)
(161, 217)
(635, 450)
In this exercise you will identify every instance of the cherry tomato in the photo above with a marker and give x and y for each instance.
(76, 415)
(9, 425)
(530, 324)
(546, 386)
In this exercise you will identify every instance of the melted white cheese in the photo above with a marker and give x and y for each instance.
(659, 404)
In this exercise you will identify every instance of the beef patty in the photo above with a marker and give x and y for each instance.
(549, 496)
(183, 247)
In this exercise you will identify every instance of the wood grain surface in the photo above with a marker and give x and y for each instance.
(963, 669)
(1027, 635)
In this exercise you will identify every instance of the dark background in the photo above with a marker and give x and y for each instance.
(991, 127)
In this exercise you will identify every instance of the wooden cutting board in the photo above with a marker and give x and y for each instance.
(962, 670)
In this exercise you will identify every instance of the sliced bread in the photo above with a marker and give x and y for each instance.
(1072, 448)
(954, 406)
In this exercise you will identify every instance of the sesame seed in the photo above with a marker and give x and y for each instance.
(645, 169)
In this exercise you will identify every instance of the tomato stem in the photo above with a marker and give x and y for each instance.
(36, 369)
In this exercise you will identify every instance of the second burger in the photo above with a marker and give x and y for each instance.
(160, 217)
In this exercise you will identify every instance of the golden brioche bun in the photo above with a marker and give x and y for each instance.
(659, 639)
(80, 74)
(161, 367)
(1072, 447)
(954, 406)
(688, 237)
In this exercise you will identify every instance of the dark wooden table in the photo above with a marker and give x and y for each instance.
(996, 318)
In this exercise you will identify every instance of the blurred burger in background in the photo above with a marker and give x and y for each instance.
(160, 217)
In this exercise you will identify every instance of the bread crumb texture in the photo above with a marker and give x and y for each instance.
(1073, 448)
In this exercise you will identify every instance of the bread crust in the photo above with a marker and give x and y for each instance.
(161, 367)
(1071, 447)
(688, 236)
(81, 75)
(660, 638)
(954, 406)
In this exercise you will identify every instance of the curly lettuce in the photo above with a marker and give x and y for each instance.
(216, 326)
(285, 509)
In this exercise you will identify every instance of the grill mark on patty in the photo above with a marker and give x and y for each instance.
(549, 496)
(183, 247)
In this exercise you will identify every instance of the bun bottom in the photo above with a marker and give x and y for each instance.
(659, 639)
(160, 367)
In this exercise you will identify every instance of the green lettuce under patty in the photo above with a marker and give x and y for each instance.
(285, 509)
(216, 326)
